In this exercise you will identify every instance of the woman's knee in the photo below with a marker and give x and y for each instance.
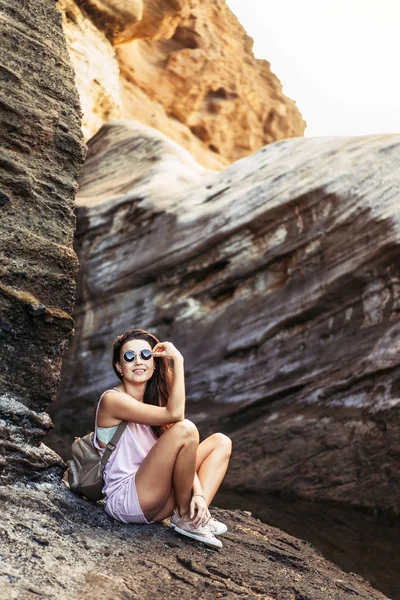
(222, 442)
(186, 429)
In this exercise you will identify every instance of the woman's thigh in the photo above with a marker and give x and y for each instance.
(154, 477)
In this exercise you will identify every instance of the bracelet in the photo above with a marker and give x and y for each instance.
(198, 495)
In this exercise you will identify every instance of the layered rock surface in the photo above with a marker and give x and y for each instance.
(42, 151)
(59, 547)
(184, 67)
(278, 279)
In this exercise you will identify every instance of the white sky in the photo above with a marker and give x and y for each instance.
(338, 60)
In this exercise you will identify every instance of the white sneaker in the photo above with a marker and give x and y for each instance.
(216, 527)
(202, 533)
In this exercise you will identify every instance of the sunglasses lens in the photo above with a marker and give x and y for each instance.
(146, 354)
(129, 356)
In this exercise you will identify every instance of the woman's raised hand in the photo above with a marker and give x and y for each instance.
(166, 350)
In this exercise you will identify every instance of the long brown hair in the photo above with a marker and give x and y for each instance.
(157, 388)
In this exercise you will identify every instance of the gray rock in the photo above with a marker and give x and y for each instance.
(39, 164)
(278, 279)
(60, 547)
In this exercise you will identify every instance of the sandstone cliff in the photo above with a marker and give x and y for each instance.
(184, 67)
(42, 151)
(278, 280)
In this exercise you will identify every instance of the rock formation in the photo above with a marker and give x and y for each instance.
(184, 67)
(55, 545)
(278, 279)
(42, 151)
(72, 550)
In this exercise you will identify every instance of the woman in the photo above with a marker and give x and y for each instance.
(158, 468)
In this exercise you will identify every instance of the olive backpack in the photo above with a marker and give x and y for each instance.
(85, 469)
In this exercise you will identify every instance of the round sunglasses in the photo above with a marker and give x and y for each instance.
(129, 356)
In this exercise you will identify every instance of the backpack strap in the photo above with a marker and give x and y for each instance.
(115, 438)
(112, 444)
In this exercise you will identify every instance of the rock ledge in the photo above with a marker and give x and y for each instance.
(57, 546)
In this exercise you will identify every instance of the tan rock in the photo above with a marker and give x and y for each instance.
(205, 76)
(153, 113)
(96, 68)
(189, 72)
(116, 18)
(160, 19)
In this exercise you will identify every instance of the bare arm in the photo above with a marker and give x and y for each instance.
(177, 399)
(123, 407)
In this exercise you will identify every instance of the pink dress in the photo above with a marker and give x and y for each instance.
(119, 489)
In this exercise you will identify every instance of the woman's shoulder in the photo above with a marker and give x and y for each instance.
(111, 391)
(114, 396)
(107, 397)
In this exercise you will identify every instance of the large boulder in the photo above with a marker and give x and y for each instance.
(42, 152)
(183, 67)
(279, 281)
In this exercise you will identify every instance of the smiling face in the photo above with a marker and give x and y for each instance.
(138, 370)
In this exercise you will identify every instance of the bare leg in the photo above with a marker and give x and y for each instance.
(212, 462)
(165, 477)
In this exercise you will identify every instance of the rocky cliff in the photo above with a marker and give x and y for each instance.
(42, 151)
(278, 280)
(53, 544)
(184, 67)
